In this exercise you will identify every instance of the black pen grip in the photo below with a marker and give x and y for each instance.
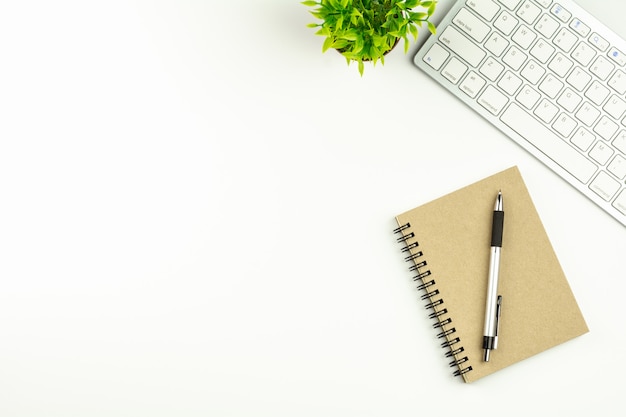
(496, 229)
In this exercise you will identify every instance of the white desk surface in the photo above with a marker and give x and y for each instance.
(196, 220)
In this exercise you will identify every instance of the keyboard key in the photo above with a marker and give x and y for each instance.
(618, 82)
(493, 100)
(524, 37)
(561, 13)
(617, 167)
(620, 141)
(604, 186)
(583, 139)
(505, 22)
(569, 100)
(601, 67)
(615, 107)
(510, 83)
(547, 26)
(620, 202)
(597, 93)
(462, 46)
(588, 114)
(565, 40)
(471, 25)
(542, 50)
(606, 128)
(583, 53)
(454, 70)
(560, 65)
(436, 56)
(578, 79)
(528, 12)
(514, 57)
(601, 153)
(485, 8)
(472, 84)
(564, 125)
(599, 42)
(546, 111)
(551, 86)
(496, 44)
(528, 97)
(548, 143)
(579, 27)
(617, 56)
(533, 72)
(491, 69)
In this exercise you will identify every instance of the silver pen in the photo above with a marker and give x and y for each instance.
(493, 308)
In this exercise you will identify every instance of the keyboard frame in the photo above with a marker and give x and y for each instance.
(578, 12)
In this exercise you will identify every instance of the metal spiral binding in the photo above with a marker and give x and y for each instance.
(419, 266)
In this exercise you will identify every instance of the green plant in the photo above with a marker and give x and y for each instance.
(365, 30)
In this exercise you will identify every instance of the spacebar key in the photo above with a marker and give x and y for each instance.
(548, 143)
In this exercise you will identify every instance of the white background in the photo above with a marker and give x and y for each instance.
(196, 208)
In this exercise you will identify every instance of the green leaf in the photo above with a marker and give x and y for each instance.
(412, 3)
(418, 16)
(351, 35)
(358, 45)
(431, 9)
(361, 67)
(328, 42)
(378, 41)
(374, 52)
(432, 28)
(323, 32)
(339, 44)
(310, 3)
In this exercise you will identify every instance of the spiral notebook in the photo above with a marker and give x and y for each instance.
(446, 242)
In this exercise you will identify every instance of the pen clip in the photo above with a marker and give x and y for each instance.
(498, 314)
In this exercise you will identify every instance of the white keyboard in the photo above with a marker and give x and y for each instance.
(548, 75)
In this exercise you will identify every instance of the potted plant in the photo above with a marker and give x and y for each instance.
(366, 30)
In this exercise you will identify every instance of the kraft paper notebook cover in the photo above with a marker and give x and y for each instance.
(447, 243)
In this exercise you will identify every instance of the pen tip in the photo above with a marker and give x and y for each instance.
(499, 205)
